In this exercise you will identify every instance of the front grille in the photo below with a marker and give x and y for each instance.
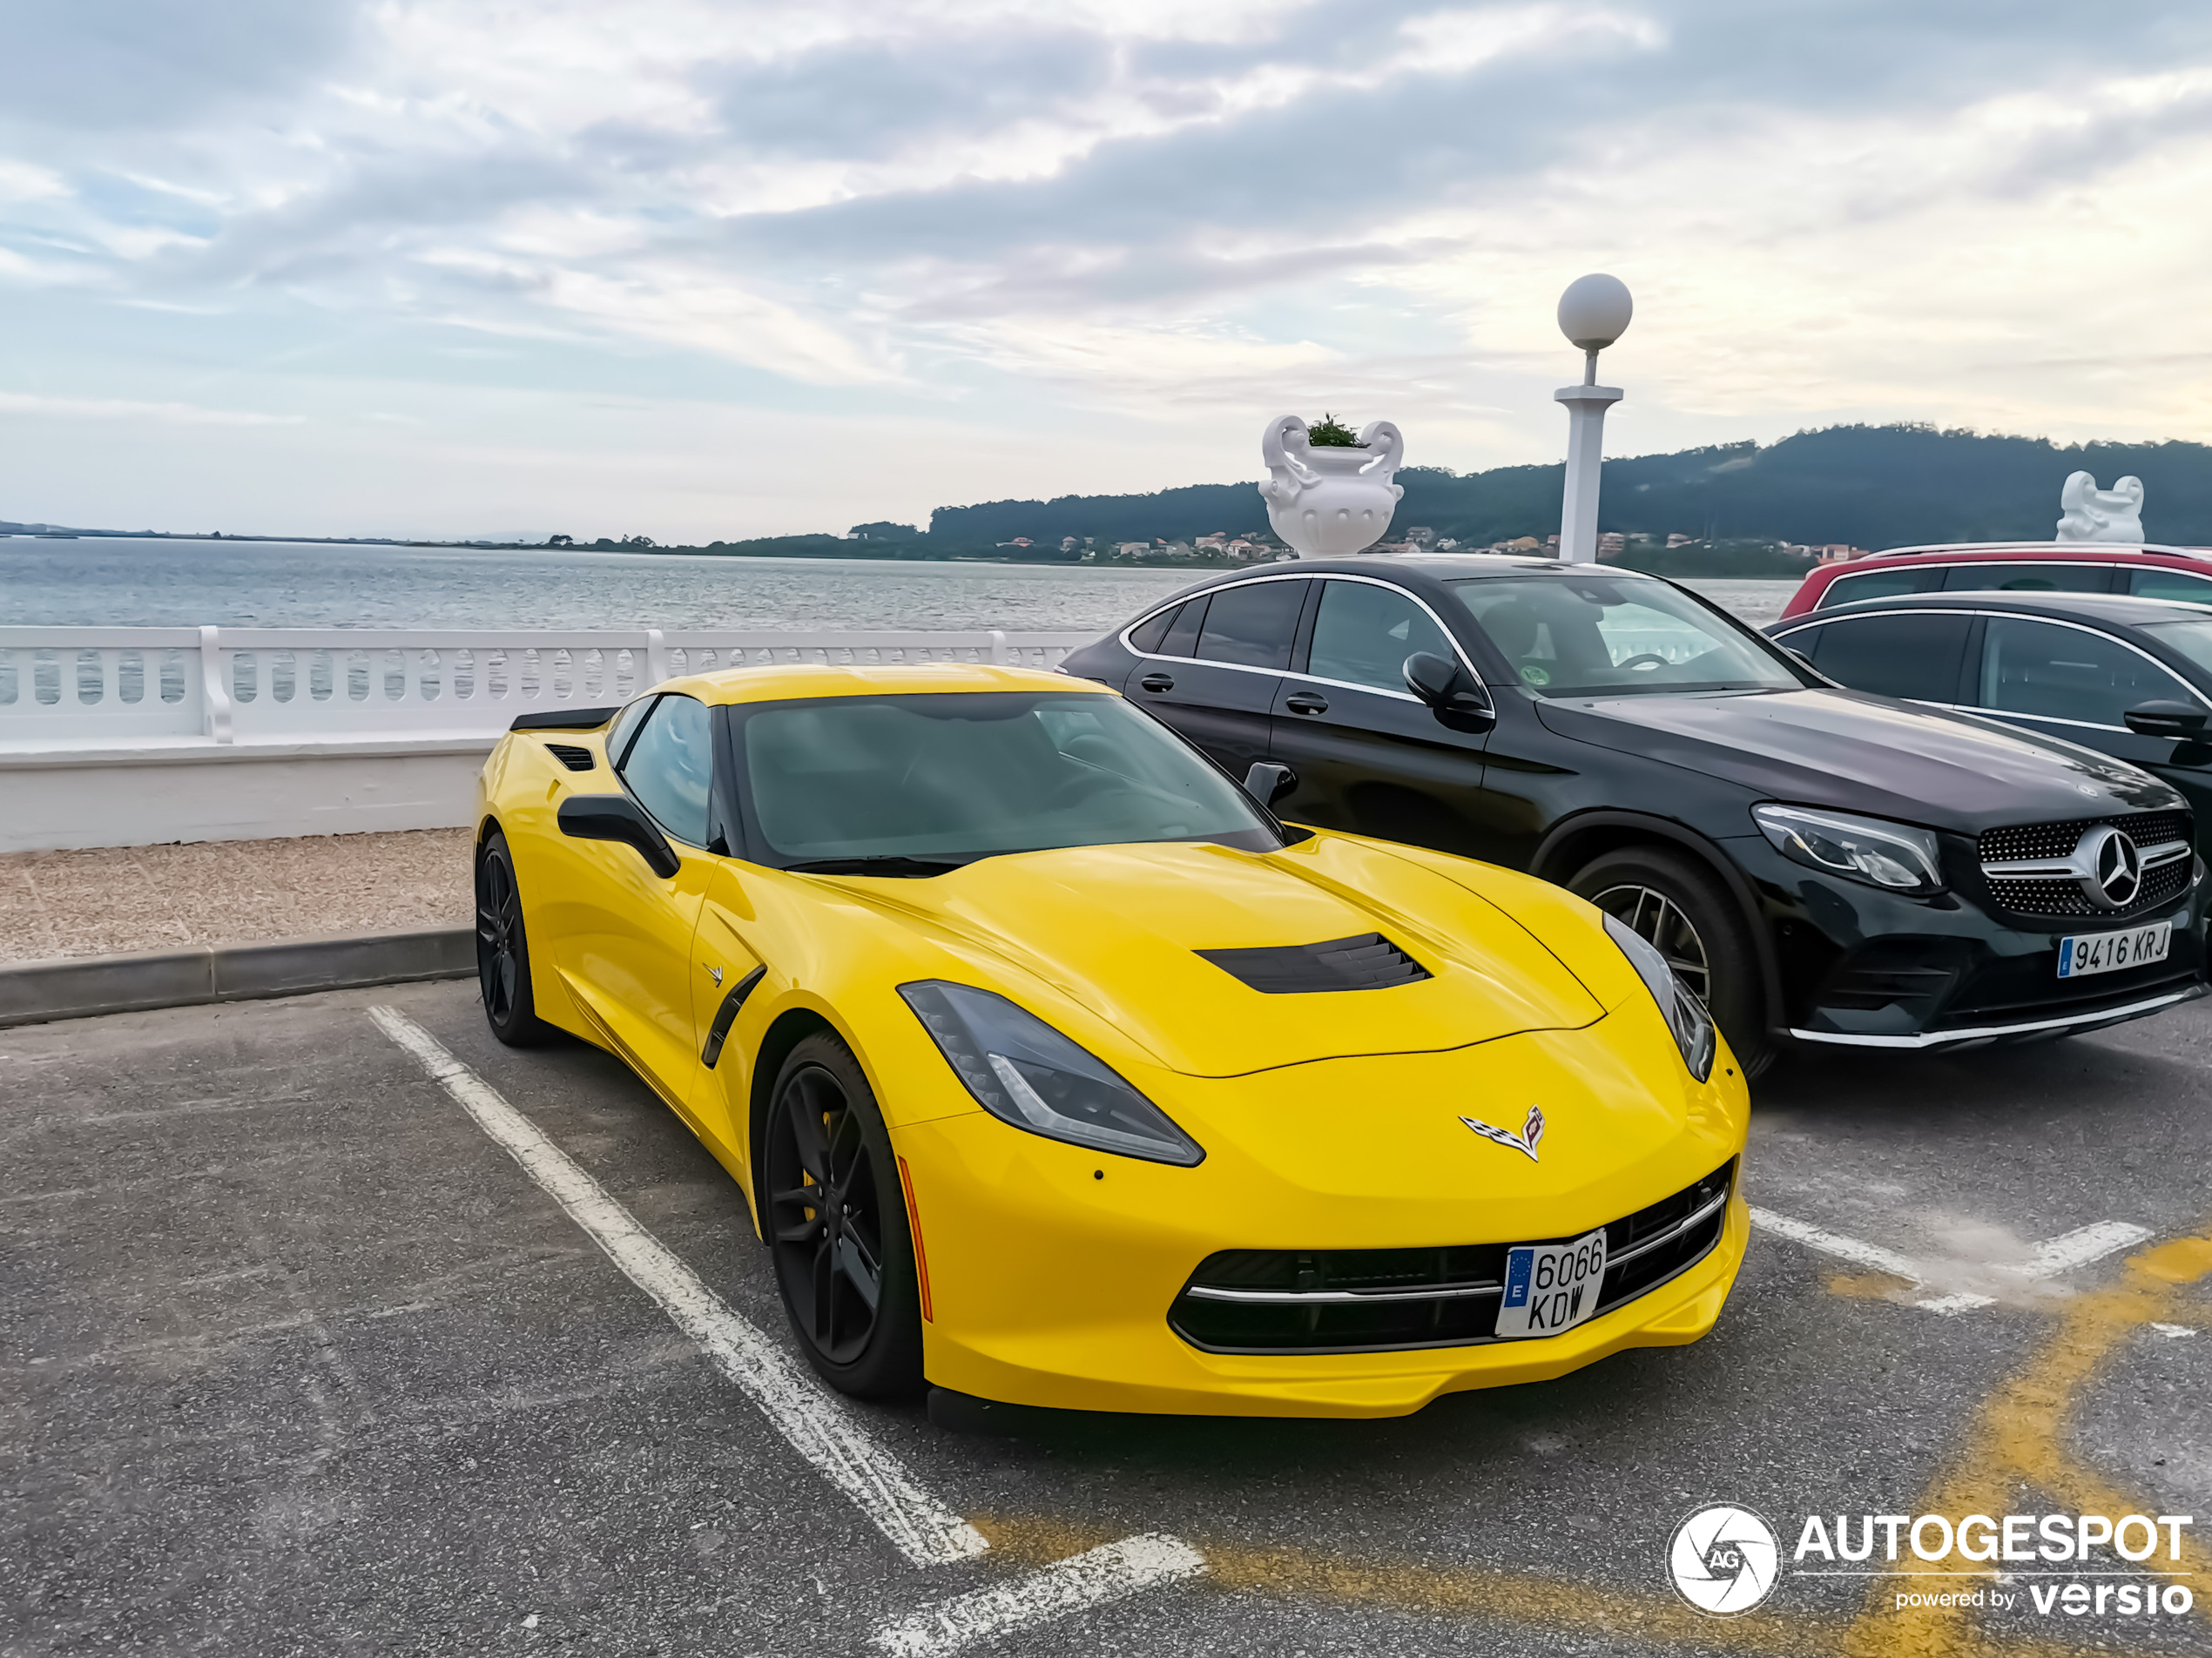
(2059, 896)
(577, 759)
(2015, 843)
(1335, 1301)
(1369, 961)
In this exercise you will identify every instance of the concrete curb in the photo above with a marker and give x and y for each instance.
(35, 992)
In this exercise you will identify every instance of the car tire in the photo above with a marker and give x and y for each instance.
(836, 1223)
(502, 950)
(1681, 907)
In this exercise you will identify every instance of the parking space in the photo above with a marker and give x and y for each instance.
(300, 1357)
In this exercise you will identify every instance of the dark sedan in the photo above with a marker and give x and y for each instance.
(2131, 678)
(1824, 865)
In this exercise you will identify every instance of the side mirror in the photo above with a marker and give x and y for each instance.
(1446, 687)
(617, 817)
(2165, 718)
(1268, 782)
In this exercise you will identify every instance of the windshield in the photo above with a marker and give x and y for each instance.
(2192, 638)
(957, 775)
(1582, 636)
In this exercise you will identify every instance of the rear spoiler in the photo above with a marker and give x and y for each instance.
(566, 719)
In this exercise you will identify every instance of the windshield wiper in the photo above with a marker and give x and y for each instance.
(878, 864)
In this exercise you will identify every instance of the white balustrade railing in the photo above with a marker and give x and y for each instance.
(231, 685)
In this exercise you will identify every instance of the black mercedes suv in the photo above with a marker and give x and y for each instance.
(1825, 866)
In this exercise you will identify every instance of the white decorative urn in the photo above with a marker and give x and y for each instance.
(2091, 514)
(1327, 501)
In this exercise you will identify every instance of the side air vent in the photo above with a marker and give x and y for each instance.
(577, 759)
(1367, 962)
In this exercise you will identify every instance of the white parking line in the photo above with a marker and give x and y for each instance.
(1094, 1578)
(820, 1427)
(2053, 1257)
(2079, 1247)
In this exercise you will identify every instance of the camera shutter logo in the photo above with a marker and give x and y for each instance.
(1723, 1560)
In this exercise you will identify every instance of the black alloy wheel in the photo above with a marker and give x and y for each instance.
(502, 952)
(1680, 907)
(837, 1224)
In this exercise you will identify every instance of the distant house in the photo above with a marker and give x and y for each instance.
(1551, 543)
(1524, 545)
(1132, 548)
(1677, 539)
(1836, 553)
(1612, 541)
(1421, 536)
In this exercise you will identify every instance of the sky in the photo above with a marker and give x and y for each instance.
(701, 271)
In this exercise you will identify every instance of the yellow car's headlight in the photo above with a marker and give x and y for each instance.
(1686, 1015)
(1023, 1072)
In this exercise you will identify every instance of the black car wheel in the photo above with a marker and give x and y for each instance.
(1683, 912)
(502, 951)
(837, 1223)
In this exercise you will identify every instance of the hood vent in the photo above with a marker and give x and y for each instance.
(577, 759)
(1367, 962)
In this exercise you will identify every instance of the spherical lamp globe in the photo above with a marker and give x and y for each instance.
(1594, 311)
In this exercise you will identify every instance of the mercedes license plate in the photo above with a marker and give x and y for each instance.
(2109, 952)
(1551, 1287)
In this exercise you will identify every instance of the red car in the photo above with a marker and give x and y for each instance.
(2176, 574)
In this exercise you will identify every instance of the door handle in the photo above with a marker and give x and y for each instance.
(1156, 682)
(1305, 702)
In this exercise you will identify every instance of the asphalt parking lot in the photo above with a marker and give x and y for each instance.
(299, 1359)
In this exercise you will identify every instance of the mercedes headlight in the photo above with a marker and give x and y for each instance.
(1685, 1015)
(1872, 850)
(1024, 1072)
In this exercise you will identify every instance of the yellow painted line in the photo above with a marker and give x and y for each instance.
(2017, 1446)
(1528, 1599)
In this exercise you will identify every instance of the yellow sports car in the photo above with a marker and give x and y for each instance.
(1059, 1072)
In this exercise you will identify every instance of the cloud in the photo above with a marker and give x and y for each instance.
(1838, 208)
(114, 408)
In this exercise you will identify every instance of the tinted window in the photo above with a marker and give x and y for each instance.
(1364, 634)
(1880, 584)
(1898, 655)
(1580, 635)
(2171, 584)
(2039, 576)
(624, 728)
(670, 768)
(2067, 673)
(2192, 638)
(1146, 635)
(965, 775)
(1251, 625)
(1183, 632)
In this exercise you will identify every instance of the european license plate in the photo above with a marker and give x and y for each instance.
(1551, 1287)
(2109, 952)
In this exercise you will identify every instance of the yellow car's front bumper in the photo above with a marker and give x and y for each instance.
(1053, 1271)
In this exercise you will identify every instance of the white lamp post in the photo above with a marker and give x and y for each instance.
(1593, 312)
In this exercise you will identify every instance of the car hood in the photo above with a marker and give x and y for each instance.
(1116, 930)
(1860, 753)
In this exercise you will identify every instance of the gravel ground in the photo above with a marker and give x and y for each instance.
(109, 900)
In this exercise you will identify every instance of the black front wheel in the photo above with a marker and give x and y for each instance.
(1679, 907)
(837, 1223)
(502, 951)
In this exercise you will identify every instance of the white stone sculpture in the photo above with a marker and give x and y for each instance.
(1325, 502)
(2091, 514)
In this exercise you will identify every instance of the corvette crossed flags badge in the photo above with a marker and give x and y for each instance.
(1526, 1142)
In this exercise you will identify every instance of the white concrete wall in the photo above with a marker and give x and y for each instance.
(150, 797)
(135, 737)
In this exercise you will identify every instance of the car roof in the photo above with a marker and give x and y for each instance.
(2118, 552)
(1439, 566)
(2118, 608)
(791, 681)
